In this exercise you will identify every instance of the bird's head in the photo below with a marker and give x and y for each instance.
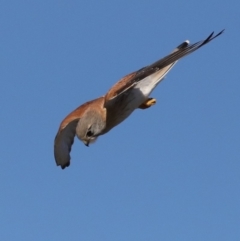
(90, 126)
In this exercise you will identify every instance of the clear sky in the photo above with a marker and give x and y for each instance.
(171, 172)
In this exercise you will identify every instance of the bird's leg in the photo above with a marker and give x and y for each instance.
(148, 103)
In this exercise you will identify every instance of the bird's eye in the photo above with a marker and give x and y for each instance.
(89, 133)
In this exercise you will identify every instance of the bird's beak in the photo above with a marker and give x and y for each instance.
(86, 143)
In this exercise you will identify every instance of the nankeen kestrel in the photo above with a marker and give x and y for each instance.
(97, 117)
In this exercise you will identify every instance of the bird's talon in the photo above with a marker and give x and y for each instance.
(148, 103)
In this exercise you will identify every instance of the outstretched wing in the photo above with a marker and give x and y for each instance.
(66, 133)
(63, 144)
(162, 67)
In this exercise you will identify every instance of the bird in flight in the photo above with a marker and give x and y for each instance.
(98, 116)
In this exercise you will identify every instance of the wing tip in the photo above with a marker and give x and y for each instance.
(62, 161)
(61, 155)
(211, 37)
(220, 33)
(63, 166)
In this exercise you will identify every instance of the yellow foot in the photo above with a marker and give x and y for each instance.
(148, 103)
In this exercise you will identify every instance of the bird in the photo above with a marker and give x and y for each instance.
(97, 117)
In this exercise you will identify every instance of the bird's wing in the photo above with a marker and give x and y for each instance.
(163, 65)
(66, 133)
(63, 143)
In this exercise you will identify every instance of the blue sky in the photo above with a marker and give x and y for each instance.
(167, 173)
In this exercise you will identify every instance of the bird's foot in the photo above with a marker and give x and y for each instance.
(148, 103)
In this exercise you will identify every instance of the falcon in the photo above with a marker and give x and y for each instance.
(99, 116)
